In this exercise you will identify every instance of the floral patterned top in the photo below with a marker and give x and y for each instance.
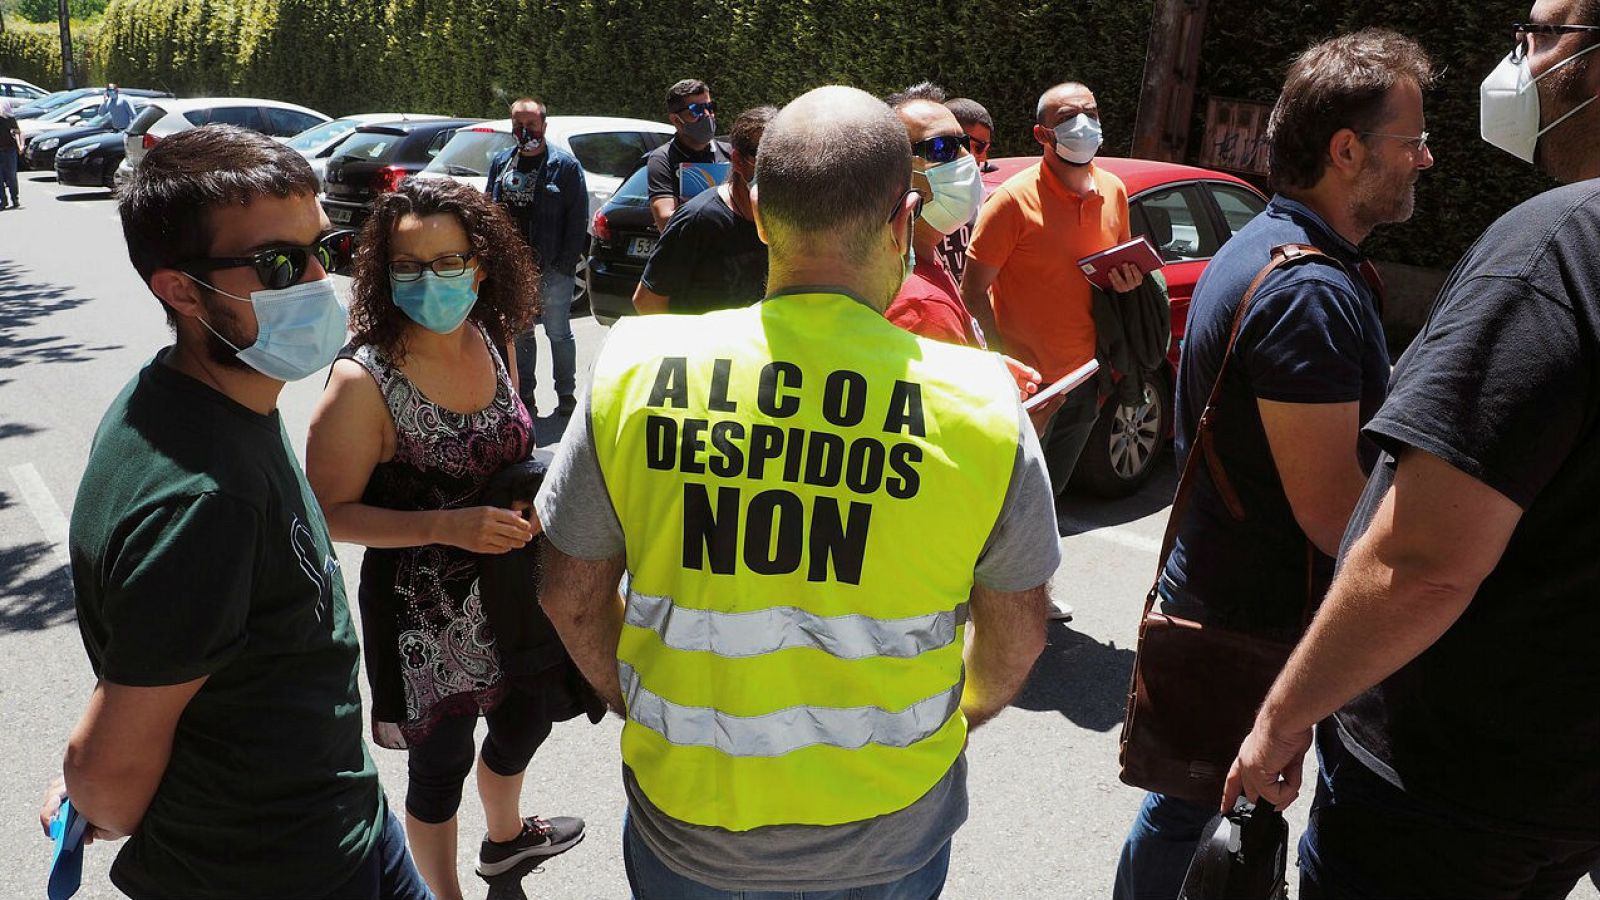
(429, 649)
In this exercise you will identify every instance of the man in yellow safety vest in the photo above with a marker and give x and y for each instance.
(810, 505)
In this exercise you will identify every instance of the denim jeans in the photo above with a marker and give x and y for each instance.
(652, 879)
(8, 175)
(555, 314)
(1155, 857)
(388, 873)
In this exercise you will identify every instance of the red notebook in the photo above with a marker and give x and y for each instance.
(1097, 267)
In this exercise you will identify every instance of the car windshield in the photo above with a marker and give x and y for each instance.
(68, 110)
(613, 153)
(54, 101)
(635, 191)
(319, 136)
(369, 145)
(469, 152)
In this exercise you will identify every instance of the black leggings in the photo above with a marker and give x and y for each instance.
(438, 765)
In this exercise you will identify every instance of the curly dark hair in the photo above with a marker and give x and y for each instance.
(508, 298)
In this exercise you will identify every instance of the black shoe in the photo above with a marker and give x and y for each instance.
(567, 404)
(540, 839)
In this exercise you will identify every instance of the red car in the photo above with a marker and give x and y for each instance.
(1187, 213)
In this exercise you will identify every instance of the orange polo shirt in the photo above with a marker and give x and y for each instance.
(1035, 230)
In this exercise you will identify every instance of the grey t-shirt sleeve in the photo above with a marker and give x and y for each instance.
(1024, 549)
(573, 504)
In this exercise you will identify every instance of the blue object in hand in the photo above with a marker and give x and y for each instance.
(66, 865)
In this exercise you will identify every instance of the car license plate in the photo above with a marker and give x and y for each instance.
(339, 216)
(641, 246)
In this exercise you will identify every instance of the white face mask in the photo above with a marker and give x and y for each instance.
(1509, 105)
(957, 194)
(1078, 139)
(299, 329)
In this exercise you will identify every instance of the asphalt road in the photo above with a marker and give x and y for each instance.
(1048, 813)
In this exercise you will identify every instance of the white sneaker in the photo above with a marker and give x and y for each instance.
(1059, 611)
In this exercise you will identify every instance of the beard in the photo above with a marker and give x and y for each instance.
(1564, 151)
(1385, 197)
(222, 322)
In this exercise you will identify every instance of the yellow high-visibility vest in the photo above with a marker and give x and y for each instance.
(805, 490)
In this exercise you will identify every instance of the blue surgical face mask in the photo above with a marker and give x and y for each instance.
(436, 303)
(299, 329)
(1078, 139)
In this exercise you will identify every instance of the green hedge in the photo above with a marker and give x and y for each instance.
(469, 57)
(33, 52)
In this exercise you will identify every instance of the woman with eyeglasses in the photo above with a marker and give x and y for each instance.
(419, 414)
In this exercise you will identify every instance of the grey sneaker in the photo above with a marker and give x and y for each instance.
(540, 839)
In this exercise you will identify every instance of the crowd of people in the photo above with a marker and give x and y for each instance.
(801, 530)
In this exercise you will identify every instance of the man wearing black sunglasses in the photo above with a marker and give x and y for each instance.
(1452, 664)
(693, 113)
(224, 737)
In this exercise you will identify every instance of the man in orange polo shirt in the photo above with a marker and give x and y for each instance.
(1022, 281)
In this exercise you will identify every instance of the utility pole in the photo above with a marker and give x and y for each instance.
(65, 16)
(1171, 71)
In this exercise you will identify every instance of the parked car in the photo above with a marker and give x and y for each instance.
(1188, 213)
(41, 148)
(17, 89)
(90, 161)
(622, 236)
(317, 143)
(167, 117)
(67, 115)
(54, 100)
(374, 159)
(607, 148)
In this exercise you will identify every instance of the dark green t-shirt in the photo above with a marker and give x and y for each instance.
(198, 549)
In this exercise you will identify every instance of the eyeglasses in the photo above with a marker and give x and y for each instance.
(1418, 142)
(451, 265)
(979, 146)
(900, 202)
(942, 148)
(1524, 35)
(699, 110)
(283, 265)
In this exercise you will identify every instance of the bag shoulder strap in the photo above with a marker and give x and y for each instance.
(1282, 255)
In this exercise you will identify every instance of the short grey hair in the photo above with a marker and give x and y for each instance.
(832, 164)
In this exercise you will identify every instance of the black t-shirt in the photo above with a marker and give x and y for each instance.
(1500, 718)
(8, 139)
(664, 161)
(710, 257)
(198, 550)
(1312, 335)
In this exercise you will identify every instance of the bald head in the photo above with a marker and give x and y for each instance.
(832, 164)
(1062, 102)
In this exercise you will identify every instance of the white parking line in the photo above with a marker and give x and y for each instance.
(1116, 535)
(44, 508)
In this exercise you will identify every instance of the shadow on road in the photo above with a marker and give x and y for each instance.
(1081, 678)
(1077, 512)
(37, 592)
(86, 195)
(44, 178)
(11, 430)
(25, 303)
(547, 430)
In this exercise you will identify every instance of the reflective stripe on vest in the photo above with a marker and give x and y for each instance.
(805, 491)
(787, 730)
(785, 627)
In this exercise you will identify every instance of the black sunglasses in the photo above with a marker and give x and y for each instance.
(899, 203)
(941, 149)
(283, 265)
(698, 110)
(1523, 34)
(977, 145)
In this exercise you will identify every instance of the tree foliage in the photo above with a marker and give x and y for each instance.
(48, 10)
(470, 57)
(33, 53)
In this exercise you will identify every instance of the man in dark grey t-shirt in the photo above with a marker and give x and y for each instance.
(1453, 666)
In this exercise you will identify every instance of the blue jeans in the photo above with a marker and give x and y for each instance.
(8, 174)
(1156, 855)
(555, 314)
(388, 872)
(652, 879)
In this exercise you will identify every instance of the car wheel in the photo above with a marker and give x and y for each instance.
(1127, 443)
